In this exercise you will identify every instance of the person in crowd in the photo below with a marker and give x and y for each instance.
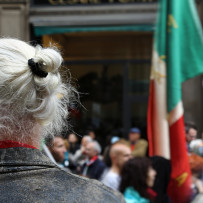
(109, 141)
(33, 104)
(190, 134)
(137, 178)
(90, 132)
(196, 166)
(67, 145)
(56, 146)
(196, 146)
(119, 154)
(162, 166)
(93, 166)
(79, 157)
(198, 198)
(73, 143)
(138, 145)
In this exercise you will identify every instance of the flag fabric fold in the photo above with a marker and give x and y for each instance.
(177, 56)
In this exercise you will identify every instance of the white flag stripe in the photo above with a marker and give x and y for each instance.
(176, 113)
(162, 146)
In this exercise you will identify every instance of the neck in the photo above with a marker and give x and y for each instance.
(115, 169)
(93, 157)
(33, 140)
(133, 142)
(19, 128)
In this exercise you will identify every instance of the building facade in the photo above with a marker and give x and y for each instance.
(107, 46)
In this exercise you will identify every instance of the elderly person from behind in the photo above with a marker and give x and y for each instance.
(34, 103)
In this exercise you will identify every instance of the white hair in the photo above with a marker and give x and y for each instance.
(97, 146)
(29, 102)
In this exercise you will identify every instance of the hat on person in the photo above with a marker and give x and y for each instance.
(114, 139)
(135, 130)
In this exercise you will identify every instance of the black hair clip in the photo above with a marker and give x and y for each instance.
(35, 68)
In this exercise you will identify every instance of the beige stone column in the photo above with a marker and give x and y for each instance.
(193, 101)
(193, 91)
(14, 16)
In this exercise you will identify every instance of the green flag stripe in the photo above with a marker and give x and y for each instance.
(160, 34)
(184, 47)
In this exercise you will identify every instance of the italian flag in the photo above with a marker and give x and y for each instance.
(177, 56)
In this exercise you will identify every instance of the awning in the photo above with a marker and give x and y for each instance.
(45, 30)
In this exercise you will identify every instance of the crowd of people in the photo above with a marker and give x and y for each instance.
(194, 147)
(123, 165)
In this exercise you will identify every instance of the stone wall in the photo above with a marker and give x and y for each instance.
(14, 17)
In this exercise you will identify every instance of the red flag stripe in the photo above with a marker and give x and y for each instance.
(179, 187)
(151, 116)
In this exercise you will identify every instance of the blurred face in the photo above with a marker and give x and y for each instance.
(151, 177)
(72, 138)
(90, 151)
(123, 156)
(191, 135)
(58, 149)
(84, 141)
(92, 134)
(133, 137)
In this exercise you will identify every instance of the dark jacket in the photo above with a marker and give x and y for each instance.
(95, 170)
(27, 175)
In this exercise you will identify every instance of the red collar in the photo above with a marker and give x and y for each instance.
(151, 193)
(92, 160)
(9, 143)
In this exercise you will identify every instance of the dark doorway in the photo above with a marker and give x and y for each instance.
(114, 94)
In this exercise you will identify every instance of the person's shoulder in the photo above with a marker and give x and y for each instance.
(94, 190)
(108, 176)
(198, 198)
(196, 143)
(142, 141)
(112, 177)
(112, 180)
(112, 174)
(100, 162)
(132, 195)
